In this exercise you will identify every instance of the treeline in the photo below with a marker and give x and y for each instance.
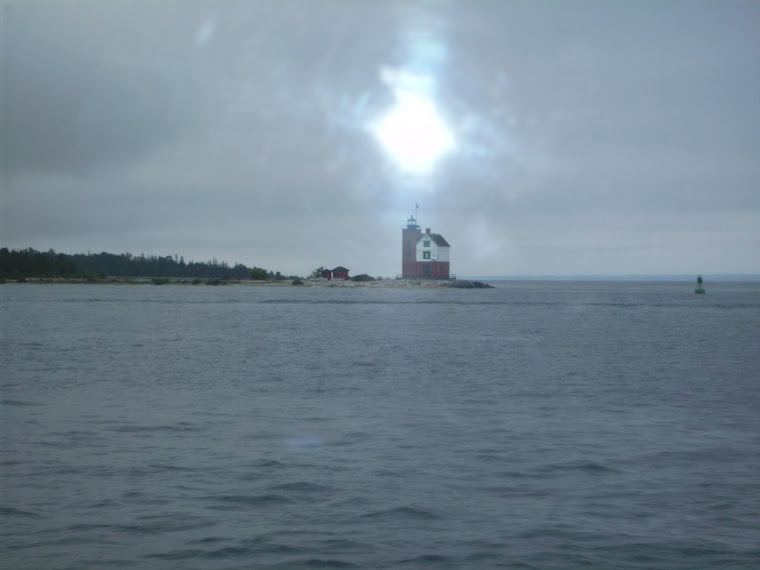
(128, 265)
(16, 264)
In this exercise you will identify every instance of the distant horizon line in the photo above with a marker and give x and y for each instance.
(627, 277)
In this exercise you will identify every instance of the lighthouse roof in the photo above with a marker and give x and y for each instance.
(439, 240)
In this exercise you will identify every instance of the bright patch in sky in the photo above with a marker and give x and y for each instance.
(413, 132)
(205, 32)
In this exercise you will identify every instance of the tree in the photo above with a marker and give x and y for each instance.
(259, 274)
(363, 277)
(317, 273)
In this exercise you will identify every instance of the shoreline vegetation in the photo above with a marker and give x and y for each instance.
(32, 266)
(321, 282)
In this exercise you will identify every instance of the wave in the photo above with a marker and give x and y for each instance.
(304, 487)
(587, 466)
(425, 559)
(402, 513)
(232, 502)
(17, 403)
(12, 512)
(179, 427)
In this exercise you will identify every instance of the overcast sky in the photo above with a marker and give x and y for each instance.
(588, 137)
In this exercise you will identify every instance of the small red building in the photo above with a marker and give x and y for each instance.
(339, 272)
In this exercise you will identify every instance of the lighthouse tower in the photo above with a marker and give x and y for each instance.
(410, 235)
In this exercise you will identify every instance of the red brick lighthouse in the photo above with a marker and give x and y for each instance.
(423, 255)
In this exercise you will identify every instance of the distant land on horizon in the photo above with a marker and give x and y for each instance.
(125, 264)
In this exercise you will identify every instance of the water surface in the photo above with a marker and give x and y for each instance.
(534, 425)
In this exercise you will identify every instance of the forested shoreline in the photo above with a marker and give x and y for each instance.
(30, 263)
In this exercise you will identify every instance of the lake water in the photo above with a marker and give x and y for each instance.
(534, 425)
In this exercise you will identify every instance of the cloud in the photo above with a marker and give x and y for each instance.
(210, 128)
(71, 109)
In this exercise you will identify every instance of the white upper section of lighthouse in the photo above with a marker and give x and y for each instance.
(432, 247)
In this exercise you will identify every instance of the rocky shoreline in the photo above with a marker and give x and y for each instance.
(390, 283)
(377, 283)
(468, 285)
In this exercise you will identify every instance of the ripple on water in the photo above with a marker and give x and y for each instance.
(304, 487)
(13, 512)
(401, 513)
(240, 502)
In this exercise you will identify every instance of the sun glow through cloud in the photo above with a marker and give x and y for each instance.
(413, 133)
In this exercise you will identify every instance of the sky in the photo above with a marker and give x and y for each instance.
(539, 138)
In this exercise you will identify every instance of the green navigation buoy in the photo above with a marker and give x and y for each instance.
(699, 290)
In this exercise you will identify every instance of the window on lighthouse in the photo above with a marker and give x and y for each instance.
(425, 255)
(426, 243)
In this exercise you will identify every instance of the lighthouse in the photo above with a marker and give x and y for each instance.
(423, 255)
